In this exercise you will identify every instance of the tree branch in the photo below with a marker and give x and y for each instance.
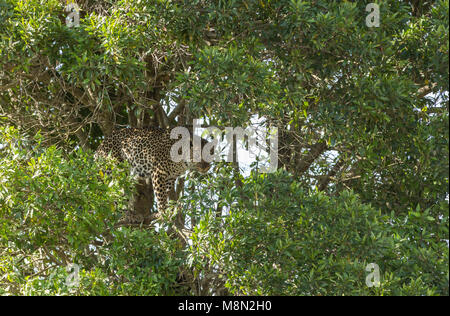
(316, 150)
(178, 109)
(324, 181)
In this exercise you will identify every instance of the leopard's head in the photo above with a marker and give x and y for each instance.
(202, 166)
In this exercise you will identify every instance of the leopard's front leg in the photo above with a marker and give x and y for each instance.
(162, 185)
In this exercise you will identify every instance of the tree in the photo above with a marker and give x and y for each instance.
(362, 115)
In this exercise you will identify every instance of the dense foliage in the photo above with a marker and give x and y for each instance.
(283, 240)
(362, 115)
(58, 209)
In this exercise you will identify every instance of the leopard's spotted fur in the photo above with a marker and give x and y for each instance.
(148, 152)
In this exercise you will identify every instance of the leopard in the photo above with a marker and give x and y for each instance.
(147, 151)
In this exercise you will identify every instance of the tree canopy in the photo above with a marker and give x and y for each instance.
(363, 146)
